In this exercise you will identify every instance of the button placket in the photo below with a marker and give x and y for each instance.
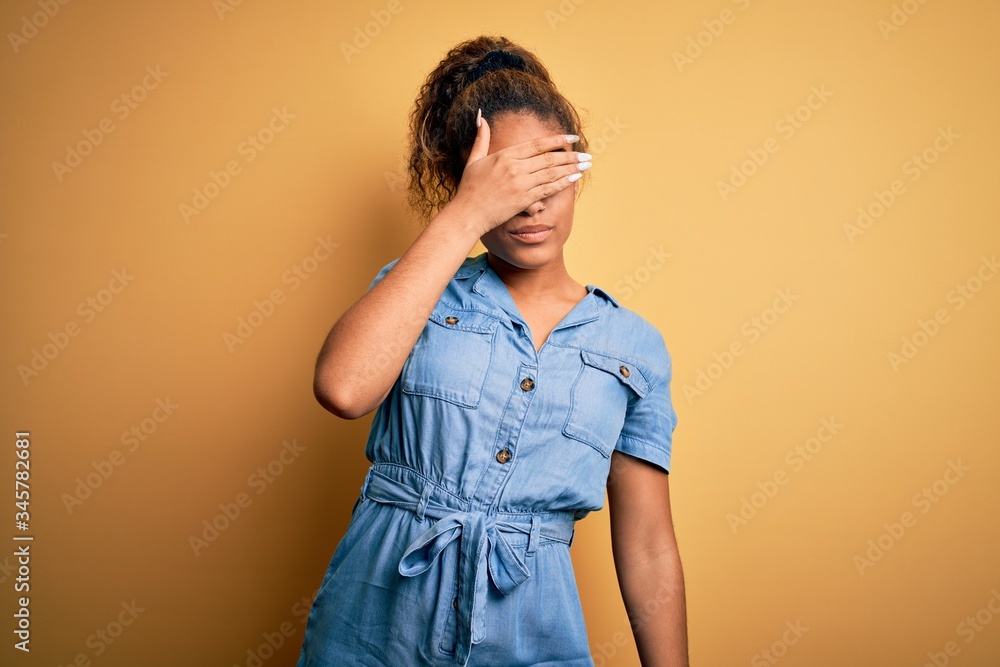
(504, 447)
(503, 456)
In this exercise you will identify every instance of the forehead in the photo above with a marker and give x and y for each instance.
(511, 128)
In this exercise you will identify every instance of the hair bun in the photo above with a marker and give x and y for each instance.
(496, 60)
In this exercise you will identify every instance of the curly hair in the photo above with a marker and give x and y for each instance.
(472, 75)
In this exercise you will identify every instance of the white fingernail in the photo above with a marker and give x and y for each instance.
(583, 157)
(584, 165)
(573, 177)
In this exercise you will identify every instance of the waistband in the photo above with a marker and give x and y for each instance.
(484, 552)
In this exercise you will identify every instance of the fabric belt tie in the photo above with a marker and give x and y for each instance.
(482, 548)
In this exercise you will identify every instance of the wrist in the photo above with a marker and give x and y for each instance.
(461, 220)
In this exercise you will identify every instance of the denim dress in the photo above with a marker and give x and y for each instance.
(484, 455)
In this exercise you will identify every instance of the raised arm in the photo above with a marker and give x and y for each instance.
(364, 352)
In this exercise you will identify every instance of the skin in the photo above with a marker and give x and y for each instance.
(516, 175)
(535, 273)
(647, 560)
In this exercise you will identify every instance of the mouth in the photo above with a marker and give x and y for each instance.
(531, 233)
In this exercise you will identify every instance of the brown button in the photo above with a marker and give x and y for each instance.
(527, 384)
(624, 371)
(451, 320)
(454, 603)
(503, 455)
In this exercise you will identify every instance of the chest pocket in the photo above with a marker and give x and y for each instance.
(452, 357)
(599, 398)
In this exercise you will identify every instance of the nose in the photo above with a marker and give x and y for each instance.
(534, 209)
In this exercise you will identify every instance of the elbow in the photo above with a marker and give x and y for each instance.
(334, 398)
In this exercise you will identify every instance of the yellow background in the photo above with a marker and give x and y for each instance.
(664, 132)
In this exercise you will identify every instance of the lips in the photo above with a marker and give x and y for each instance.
(527, 229)
(531, 233)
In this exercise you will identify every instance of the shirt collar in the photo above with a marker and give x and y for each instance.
(487, 283)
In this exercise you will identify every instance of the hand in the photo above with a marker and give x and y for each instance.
(496, 187)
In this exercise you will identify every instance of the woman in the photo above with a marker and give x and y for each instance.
(509, 397)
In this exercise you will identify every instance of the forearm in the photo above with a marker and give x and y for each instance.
(653, 593)
(366, 348)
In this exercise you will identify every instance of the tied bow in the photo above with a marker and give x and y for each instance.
(482, 548)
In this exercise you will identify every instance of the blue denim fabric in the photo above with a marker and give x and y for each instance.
(456, 553)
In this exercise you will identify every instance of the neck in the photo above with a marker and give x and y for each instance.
(541, 281)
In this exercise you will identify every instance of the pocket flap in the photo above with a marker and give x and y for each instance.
(626, 371)
(464, 320)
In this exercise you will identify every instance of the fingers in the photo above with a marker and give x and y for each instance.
(560, 165)
(548, 181)
(481, 145)
(523, 173)
(554, 159)
(532, 147)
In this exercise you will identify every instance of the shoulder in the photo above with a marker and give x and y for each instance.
(628, 335)
(470, 266)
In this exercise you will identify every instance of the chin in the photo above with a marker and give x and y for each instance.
(526, 255)
(533, 257)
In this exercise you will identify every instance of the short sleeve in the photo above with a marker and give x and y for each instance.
(381, 274)
(650, 421)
